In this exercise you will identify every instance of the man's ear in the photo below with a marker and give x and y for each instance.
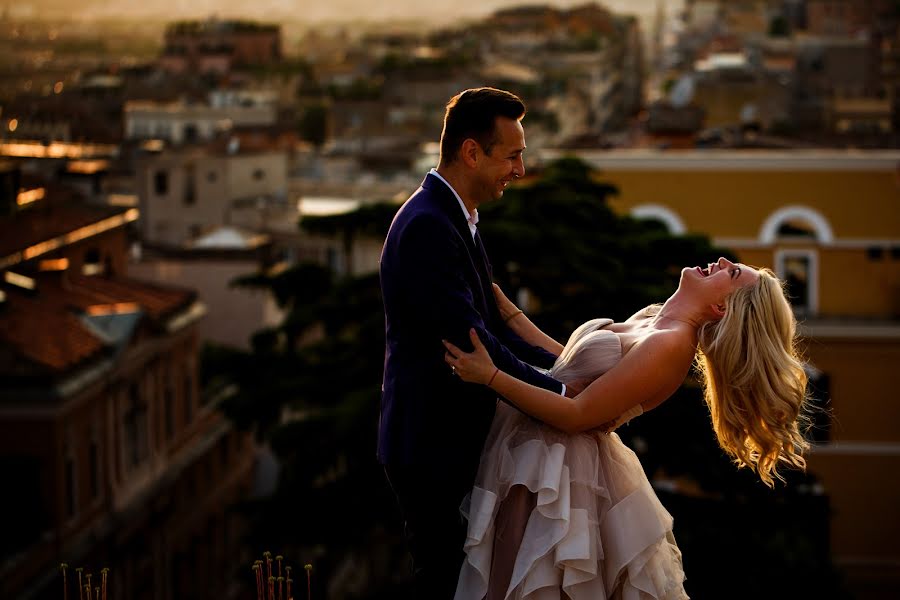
(469, 152)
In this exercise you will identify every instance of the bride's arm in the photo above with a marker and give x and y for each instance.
(646, 375)
(522, 326)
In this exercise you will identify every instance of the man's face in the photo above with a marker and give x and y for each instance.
(496, 170)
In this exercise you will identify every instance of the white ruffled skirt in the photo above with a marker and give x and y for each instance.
(597, 530)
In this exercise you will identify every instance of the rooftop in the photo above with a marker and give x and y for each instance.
(65, 321)
(34, 231)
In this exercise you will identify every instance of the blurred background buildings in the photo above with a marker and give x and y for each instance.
(153, 174)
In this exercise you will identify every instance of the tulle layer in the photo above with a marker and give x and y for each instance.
(597, 530)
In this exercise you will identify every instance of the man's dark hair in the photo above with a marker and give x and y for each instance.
(473, 114)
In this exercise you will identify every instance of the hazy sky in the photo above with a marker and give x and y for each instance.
(302, 10)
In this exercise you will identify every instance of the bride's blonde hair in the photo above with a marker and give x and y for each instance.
(754, 380)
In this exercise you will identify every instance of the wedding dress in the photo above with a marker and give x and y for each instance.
(593, 529)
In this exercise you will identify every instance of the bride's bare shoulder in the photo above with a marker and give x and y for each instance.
(674, 342)
(644, 313)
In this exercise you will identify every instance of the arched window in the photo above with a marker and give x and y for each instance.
(660, 213)
(793, 222)
(798, 267)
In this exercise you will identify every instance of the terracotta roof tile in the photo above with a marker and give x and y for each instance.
(31, 226)
(159, 302)
(39, 332)
(44, 327)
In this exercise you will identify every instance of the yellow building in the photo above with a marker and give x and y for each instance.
(828, 222)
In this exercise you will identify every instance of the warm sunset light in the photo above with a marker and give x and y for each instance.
(69, 238)
(19, 280)
(88, 167)
(153, 145)
(54, 264)
(32, 149)
(122, 199)
(117, 308)
(29, 196)
(233, 236)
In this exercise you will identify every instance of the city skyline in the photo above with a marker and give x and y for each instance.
(337, 10)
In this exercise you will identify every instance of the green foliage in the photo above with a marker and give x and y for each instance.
(547, 119)
(783, 127)
(731, 519)
(667, 86)
(404, 64)
(313, 124)
(80, 46)
(779, 27)
(359, 89)
(316, 404)
(557, 238)
(371, 220)
(282, 68)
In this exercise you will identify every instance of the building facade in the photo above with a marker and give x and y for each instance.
(215, 46)
(117, 458)
(182, 122)
(185, 194)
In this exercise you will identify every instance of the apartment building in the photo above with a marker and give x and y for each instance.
(116, 457)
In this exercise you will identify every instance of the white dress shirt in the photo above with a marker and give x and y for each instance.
(471, 219)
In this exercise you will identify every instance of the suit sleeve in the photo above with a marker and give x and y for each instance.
(533, 355)
(433, 259)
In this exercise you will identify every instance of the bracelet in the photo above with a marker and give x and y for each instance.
(514, 315)
(491, 380)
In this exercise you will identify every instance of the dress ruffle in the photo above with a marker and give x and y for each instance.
(597, 530)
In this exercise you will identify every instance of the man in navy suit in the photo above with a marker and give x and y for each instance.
(436, 284)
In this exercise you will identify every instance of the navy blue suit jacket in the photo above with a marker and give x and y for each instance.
(436, 284)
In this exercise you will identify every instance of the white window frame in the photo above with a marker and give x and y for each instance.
(812, 300)
(768, 233)
(661, 213)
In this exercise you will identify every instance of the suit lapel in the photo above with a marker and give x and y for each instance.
(482, 254)
(485, 273)
(449, 205)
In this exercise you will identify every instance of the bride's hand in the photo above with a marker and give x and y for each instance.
(473, 367)
(507, 309)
